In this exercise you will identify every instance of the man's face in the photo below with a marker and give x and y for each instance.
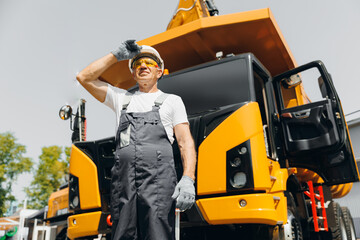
(146, 71)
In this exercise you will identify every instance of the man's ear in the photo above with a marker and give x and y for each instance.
(159, 73)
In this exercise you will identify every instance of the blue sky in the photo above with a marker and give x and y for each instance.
(43, 44)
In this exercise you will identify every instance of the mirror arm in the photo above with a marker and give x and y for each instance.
(71, 122)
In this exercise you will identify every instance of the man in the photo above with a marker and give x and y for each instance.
(143, 177)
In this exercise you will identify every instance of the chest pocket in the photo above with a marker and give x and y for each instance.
(125, 131)
(152, 121)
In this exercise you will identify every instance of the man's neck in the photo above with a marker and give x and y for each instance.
(148, 89)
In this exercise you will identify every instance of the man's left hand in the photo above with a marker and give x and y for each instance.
(127, 50)
(184, 193)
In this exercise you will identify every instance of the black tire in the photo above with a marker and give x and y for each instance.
(338, 232)
(349, 224)
(292, 229)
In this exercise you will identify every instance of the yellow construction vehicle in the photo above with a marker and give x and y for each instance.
(270, 157)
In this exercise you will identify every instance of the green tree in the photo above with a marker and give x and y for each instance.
(12, 163)
(50, 174)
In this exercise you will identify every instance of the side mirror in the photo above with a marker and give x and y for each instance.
(65, 112)
(292, 81)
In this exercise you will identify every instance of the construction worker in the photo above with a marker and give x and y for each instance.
(144, 180)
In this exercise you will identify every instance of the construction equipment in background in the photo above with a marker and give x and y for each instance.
(270, 158)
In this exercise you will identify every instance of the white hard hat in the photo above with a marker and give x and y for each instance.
(147, 51)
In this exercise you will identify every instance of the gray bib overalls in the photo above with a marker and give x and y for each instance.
(143, 177)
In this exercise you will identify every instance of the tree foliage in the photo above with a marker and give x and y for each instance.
(50, 174)
(12, 163)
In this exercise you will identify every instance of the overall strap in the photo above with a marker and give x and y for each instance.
(160, 99)
(126, 100)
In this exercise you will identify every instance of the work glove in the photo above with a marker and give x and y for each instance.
(127, 50)
(184, 193)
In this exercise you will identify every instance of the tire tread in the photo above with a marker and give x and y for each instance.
(349, 222)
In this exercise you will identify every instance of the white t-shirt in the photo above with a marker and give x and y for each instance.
(172, 111)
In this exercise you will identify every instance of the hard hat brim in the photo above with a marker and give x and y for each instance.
(147, 51)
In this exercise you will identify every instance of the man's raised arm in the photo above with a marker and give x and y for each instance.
(88, 77)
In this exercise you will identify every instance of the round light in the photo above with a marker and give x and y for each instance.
(242, 150)
(235, 162)
(238, 180)
(75, 201)
(74, 221)
(243, 203)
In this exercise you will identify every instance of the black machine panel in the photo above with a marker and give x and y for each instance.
(210, 86)
(211, 92)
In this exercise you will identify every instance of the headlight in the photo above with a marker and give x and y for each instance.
(75, 202)
(238, 180)
(239, 173)
(74, 198)
(235, 162)
(242, 150)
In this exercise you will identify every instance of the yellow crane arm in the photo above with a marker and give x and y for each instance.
(190, 10)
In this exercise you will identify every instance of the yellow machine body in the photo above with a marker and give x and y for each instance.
(264, 208)
(84, 168)
(85, 224)
(236, 129)
(58, 203)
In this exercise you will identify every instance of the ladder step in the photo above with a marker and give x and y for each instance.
(317, 204)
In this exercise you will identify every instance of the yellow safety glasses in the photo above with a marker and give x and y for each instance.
(148, 62)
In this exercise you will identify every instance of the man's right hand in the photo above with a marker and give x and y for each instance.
(127, 50)
(88, 77)
(184, 193)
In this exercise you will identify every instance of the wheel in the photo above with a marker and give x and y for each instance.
(292, 228)
(338, 232)
(349, 224)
